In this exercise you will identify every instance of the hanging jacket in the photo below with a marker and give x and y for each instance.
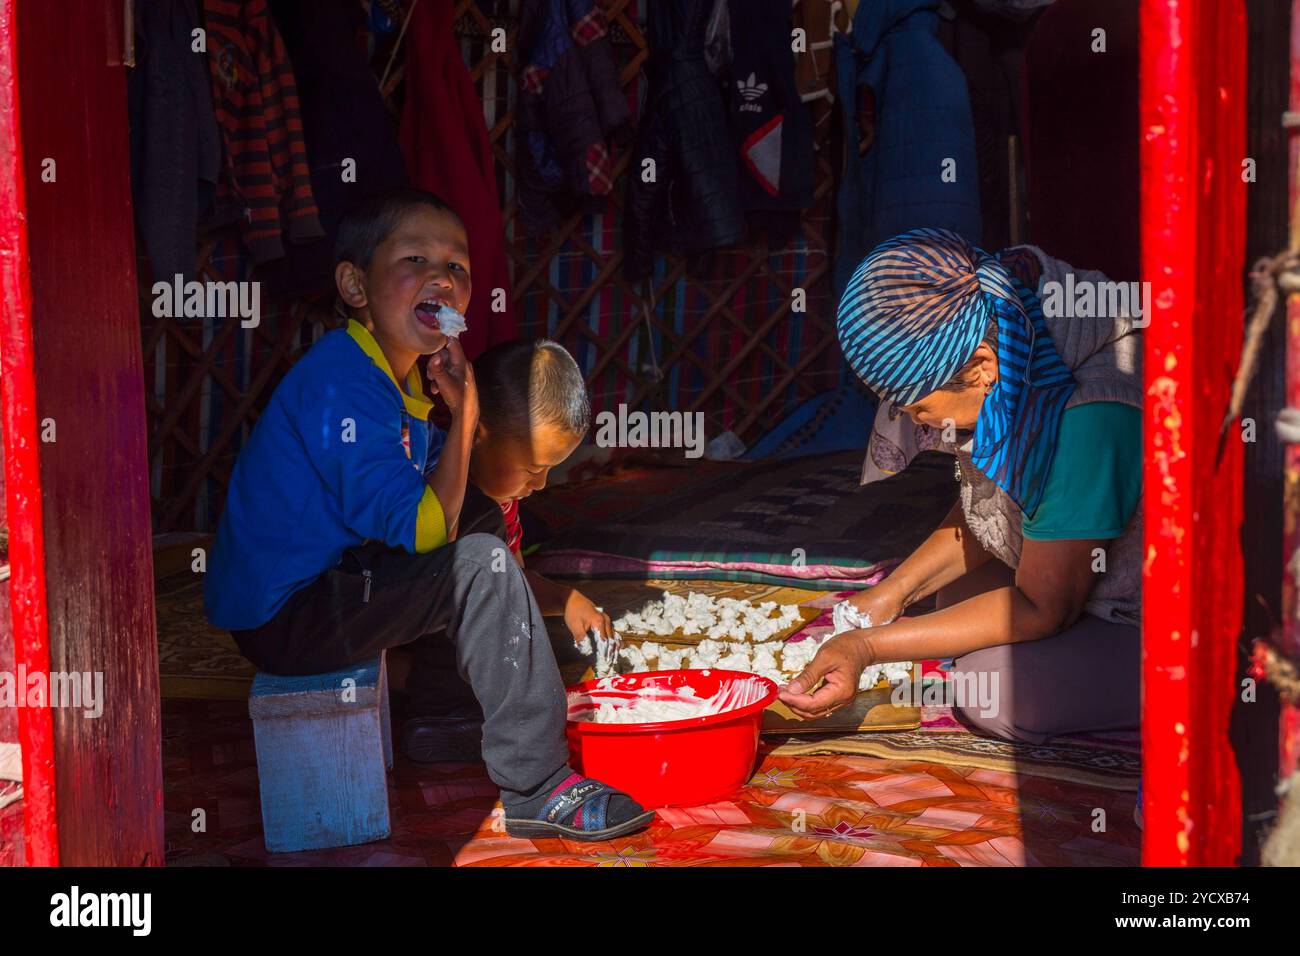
(570, 109)
(343, 118)
(445, 145)
(922, 119)
(771, 125)
(175, 143)
(692, 204)
(257, 108)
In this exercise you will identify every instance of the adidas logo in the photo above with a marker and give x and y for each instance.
(750, 90)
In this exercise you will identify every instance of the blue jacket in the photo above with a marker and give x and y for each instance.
(326, 468)
(922, 117)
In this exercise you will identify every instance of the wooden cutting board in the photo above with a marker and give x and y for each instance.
(871, 710)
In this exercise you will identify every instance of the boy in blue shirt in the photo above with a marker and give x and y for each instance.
(340, 534)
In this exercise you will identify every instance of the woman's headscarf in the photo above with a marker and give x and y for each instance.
(913, 314)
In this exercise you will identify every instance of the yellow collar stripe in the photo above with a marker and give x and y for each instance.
(413, 394)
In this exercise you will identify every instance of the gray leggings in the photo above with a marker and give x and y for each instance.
(1086, 678)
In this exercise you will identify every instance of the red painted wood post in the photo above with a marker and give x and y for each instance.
(1193, 110)
(77, 490)
(22, 465)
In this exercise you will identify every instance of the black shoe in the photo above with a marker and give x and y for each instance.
(443, 739)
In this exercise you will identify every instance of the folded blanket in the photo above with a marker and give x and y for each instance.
(802, 519)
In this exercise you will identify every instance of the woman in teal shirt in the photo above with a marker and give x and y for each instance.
(1036, 571)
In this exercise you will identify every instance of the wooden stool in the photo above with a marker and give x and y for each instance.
(323, 744)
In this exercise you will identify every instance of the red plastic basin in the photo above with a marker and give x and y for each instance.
(673, 762)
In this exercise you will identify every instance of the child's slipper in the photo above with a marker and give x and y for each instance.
(584, 802)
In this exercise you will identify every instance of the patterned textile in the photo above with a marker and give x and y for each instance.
(914, 312)
(795, 811)
(195, 659)
(832, 421)
(896, 439)
(256, 101)
(1111, 761)
(594, 564)
(608, 492)
(767, 521)
(11, 831)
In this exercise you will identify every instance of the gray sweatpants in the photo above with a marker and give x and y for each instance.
(1086, 678)
(469, 593)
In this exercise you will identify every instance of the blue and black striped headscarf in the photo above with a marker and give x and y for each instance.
(913, 314)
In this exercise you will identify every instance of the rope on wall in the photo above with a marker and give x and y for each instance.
(1271, 278)
(1268, 278)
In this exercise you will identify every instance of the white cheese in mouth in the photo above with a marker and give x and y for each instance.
(450, 322)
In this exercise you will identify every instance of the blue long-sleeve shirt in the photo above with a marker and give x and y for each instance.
(337, 458)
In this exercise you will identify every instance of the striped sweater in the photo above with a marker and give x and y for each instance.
(256, 103)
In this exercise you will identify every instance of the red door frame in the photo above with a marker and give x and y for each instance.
(1193, 118)
(23, 500)
(77, 503)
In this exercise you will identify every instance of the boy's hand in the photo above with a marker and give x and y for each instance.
(452, 377)
(580, 616)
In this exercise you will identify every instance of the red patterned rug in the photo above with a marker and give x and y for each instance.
(795, 811)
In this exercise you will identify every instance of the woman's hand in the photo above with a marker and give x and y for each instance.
(581, 616)
(840, 662)
(880, 603)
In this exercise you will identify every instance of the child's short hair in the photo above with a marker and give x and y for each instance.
(373, 220)
(523, 384)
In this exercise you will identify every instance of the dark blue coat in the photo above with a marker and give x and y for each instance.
(922, 118)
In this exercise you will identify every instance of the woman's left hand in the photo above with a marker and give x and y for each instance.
(840, 662)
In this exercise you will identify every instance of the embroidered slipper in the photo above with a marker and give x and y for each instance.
(584, 804)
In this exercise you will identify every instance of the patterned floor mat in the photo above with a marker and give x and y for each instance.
(771, 521)
(195, 659)
(795, 811)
